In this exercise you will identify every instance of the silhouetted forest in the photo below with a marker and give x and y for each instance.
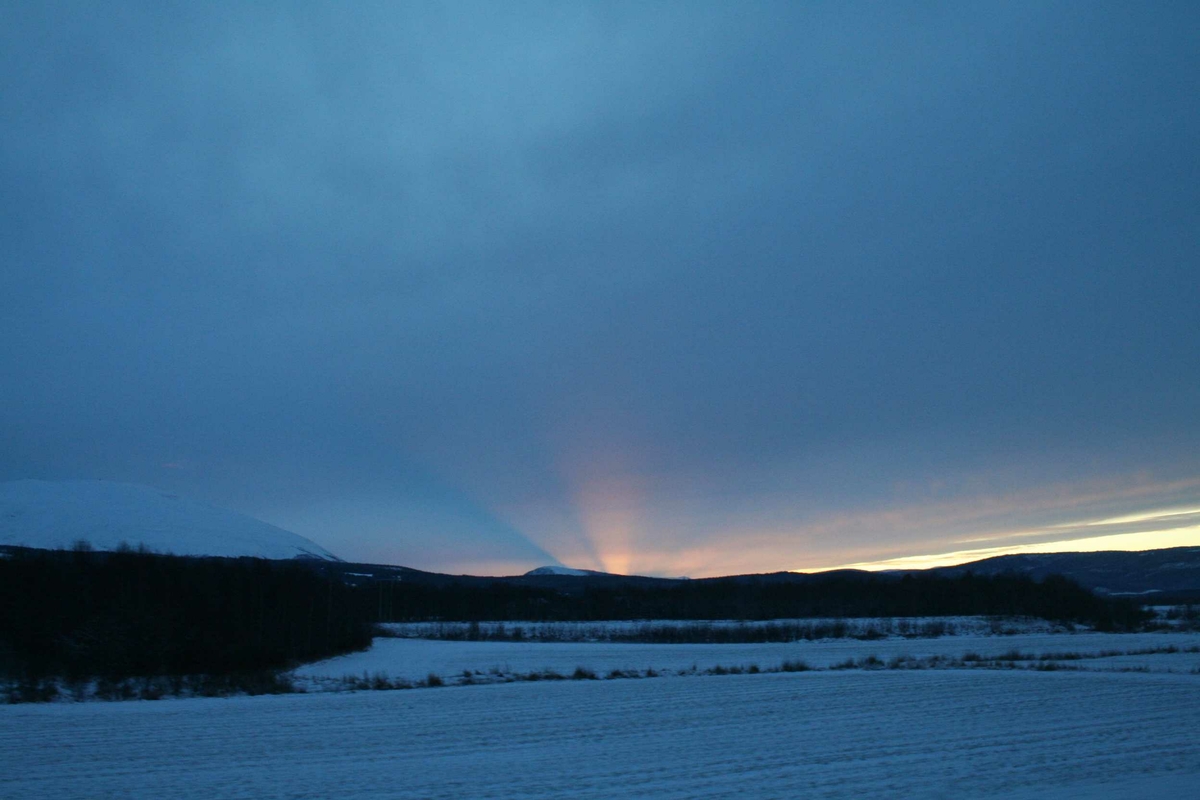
(754, 598)
(82, 614)
(78, 614)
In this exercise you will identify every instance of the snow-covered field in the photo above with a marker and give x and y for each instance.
(414, 659)
(927, 733)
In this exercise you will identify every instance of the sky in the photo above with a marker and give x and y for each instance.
(666, 288)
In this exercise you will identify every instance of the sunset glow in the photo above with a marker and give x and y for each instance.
(1179, 537)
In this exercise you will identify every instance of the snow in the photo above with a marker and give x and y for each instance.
(414, 659)
(50, 515)
(563, 571)
(957, 733)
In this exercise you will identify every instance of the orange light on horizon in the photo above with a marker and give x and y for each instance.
(626, 529)
(609, 512)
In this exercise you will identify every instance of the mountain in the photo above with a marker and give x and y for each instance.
(1170, 574)
(57, 514)
(579, 573)
(1119, 572)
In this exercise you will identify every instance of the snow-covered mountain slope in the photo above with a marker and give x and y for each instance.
(53, 514)
(564, 571)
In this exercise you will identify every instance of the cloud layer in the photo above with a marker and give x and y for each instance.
(466, 284)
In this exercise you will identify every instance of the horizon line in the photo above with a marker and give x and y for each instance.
(1121, 542)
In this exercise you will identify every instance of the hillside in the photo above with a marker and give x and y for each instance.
(1173, 573)
(578, 573)
(1119, 572)
(57, 514)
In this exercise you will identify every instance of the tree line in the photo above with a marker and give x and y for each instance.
(840, 595)
(80, 614)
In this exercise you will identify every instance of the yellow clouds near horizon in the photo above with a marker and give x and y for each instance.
(1143, 540)
(1135, 513)
(629, 521)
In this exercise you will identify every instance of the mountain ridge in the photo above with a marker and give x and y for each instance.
(58, 514)
(1172, 573)
(51, 515)
(1114, 572)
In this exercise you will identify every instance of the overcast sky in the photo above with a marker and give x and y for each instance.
(664, 288)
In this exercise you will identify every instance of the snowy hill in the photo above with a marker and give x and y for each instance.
(564, 571)
(1173, 569)
(50, 515)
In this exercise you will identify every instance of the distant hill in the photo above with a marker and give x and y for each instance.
(49, 515)
(1173, 574)
(57, 514)
(1117, 572)
(578, 573)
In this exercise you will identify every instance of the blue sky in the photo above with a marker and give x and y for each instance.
(674, 288)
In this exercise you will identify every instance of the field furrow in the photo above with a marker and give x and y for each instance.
(831, 734)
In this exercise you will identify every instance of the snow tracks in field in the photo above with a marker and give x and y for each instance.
(973, 734)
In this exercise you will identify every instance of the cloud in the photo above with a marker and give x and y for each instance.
(759, 267)
(1141, 540)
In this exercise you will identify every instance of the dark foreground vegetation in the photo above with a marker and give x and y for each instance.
(203, 625)
(832, 595)
(132, 623)
(696, 632)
